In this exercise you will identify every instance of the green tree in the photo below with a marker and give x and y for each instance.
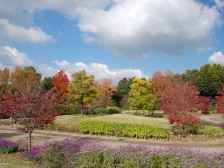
(209, 79)
(122, 90)
(81, 91)
(47, 83)
(141, 95)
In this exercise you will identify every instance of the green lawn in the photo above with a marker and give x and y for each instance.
(71, 121)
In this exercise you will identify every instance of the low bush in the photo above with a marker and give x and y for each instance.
(84, 153)
(66, 110)
(210, 131)
(121, 129)
(108, 110)
(7, 146)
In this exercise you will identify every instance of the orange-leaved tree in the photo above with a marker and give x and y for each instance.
(105, 91)
(60, 86)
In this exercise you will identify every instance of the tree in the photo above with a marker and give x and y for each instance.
(204, 104)
(179, 102)
(105, 92)
(141, 96)
(160, 83)
(81, 91)
(28, 102)
(209, 79)
(47, 83)
(4, 82)
(122, 89)
(220, 102)
(60, 86)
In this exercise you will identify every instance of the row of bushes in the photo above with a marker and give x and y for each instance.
(207, 130)
(69, 110)
(122, 129)
(83, 153)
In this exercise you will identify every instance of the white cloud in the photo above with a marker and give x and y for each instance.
(10, 57)
(100, 71)
(10, 32)
(134, 28)
(219, 3)
(129, 27)
(217, 58)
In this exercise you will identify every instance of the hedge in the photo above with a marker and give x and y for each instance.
(122, 129)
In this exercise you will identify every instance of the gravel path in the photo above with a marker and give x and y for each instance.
(40, 137)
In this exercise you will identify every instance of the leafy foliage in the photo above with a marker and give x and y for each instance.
(60, 86)
(105, 91)
(47, 83)
(141, 96)
(208, 80)
(81, 91)
(84, 153)
(108, 110)
(211, 131)
(220, 102)
(179, 102)
(122, 129)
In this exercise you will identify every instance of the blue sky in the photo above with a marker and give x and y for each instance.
(111, 39)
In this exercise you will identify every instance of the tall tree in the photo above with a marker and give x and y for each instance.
(209, 79)
(122, 90)
(220, 102)
(4, 82)
(81, 91)
(28, 102)
(141, 96)
(47, 83)
(105, 91)
(179, 102)
(60, 86)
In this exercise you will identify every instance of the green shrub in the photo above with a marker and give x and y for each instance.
(113, 110)
(108, 110)
(211, 131)
(66, 110)
(122, 129)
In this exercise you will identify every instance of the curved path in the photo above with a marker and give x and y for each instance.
(40, 137)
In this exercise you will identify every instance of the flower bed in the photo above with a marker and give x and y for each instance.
(84, 153)
(7, 146)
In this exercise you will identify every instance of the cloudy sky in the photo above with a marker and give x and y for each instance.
(111, 39)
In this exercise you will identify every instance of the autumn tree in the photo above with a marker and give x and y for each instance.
(81, 91)
(220, 102)
(105, 91)
(28, 102)
(204, 104)
(141, 96)
(60, 86)
(4, 82)
(179, 103)
(160, 83)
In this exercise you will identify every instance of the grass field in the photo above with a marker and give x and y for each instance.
(71, 121)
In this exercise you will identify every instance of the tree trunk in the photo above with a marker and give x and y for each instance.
(82, 110)
(30, 132)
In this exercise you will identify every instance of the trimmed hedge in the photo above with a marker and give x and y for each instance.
(66, 110)
(210, 131)
(108, 110)
(122, 129)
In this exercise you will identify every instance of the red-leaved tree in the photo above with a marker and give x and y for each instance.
(179, 102)
(28, 102)
(220, 102)
(60, 86)
(204, 104)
